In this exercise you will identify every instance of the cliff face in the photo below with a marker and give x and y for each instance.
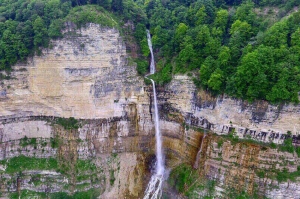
(260, 120)
(89, 76)
(86, 75)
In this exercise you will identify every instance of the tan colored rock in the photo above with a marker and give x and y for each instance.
(84, 75)
(222, 113)
(87, 76)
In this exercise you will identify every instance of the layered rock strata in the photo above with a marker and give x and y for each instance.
(89, 76)
(260, 120)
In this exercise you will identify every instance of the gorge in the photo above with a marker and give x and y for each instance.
(79, 119)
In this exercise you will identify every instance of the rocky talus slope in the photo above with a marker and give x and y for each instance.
(109, 145)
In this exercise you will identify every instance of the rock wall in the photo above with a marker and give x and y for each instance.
(89, 76)
(84, 75)
(113, 147)
(236, 166)
(260, 120)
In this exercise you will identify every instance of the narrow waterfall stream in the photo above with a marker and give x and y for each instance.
(154, 189)
(196, 164)
(152, 64)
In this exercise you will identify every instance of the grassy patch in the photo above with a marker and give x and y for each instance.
(85, 165)
(28, 194)
(90, 194)
(182, 177)
(82, 177)
(82, 186)
(185, 180)
(280, 176)
(21, 163)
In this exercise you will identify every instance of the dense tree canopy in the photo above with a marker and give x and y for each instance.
(238, 47)
(230, 46)
(27, 25)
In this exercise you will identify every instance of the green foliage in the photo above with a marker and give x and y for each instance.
(216, 79)
(60, 195)
(164, 76)
(298, 151)
(112, 177)
(182, 177)
(90, 194)
(242, 195)
(27, 194)
(84, 165)
(55, 142)
(142, 66)
(220, 143)
(91, 14)
(260, 174)
(231, 51)
(55, 27)
(233, 137)
(187, 181)
(21, 163)
(273, 145)
(284, 175)
(288, 144)
(68, 123)
(39, 29)
(28, 141)
(26, 25)
(237, 51)
(241, 27)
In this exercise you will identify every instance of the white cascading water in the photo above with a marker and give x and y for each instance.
(152, 65)
(154, 189)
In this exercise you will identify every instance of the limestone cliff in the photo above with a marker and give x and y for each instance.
(260, 120)
(88, 75)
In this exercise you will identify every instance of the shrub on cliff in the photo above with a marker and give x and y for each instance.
(68, 123)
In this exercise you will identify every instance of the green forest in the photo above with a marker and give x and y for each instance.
(246, 49)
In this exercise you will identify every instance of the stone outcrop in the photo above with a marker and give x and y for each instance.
(89, 76)
(260, 120)
(84, 75)
(236, 166)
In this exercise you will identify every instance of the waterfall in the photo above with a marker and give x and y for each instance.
(159, 153)
(154, 189)
(152, 64)
(196, 164)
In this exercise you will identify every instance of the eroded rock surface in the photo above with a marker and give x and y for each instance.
(87, 75)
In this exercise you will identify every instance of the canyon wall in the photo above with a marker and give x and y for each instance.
(260, 120)
(86, 75)
(89, 75)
